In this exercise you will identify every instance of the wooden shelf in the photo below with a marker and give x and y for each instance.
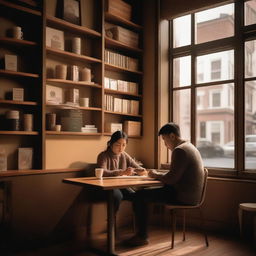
(114, 43)
(72, 133)
(18, 133)
(119, 113)
(19, 8)
(63, 106)
(69, 82)
(121, 21)
(109, 134)
(125, 70)
(71, 27)
(17, 42)
(72, 55)
(109, 91)
(17, 73)
(10, 173)
(15, 102)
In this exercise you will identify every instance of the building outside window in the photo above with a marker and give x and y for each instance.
(210, 64)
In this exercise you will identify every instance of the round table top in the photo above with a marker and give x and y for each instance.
(248, 206)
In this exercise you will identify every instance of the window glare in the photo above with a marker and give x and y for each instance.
(250, 124)
(215, 23)
(215, 67)
(182, 106)
(215, 125)
(182, 71)
(182, 24)
(250, 12)
(250, 58)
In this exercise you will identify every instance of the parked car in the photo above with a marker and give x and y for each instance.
(229, 149)
(209, 149)
(250, 146)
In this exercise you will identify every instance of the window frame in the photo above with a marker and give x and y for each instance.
(242, 34)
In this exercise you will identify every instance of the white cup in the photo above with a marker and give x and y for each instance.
(99, 173)
(17, 33)
(57, 127)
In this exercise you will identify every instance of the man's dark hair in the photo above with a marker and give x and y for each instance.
(170, 128)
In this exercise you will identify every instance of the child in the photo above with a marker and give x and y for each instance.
(116, 162)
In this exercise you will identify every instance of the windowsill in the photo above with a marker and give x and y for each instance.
(225, 174)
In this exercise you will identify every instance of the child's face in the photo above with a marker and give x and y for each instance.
(119, 146)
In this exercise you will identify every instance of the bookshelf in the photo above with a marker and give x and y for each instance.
(37, 65)
(26, 76)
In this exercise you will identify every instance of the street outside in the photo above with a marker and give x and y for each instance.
(224, 162)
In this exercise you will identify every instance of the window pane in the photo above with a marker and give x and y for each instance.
(215, 125)
(215, 23)
(250, 12)
(182, 24)
(182, 71)
(250, 58)
(215, 67)
(250, 125)
(181, 113)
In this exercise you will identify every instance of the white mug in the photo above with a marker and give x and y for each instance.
(17, 33)
(99, 173)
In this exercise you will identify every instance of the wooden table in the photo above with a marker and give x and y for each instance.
(109, 184)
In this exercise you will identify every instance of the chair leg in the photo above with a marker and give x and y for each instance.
(203, 226)
(173, 216)
(184, 225)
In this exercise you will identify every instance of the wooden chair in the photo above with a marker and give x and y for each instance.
(174, 208)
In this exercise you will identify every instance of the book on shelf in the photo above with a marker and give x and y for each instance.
(18, 94)
(121, 85)
(54, 38)
(11, 62)
(120, 60)
(89, 128)
(25, 158)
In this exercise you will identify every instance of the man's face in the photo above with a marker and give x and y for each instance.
(169, 140)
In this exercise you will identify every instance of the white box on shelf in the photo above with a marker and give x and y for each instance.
(54, 38)
(113, 127)
(132, 128)
(54, 94)
(10, 62)
(25, 158)
(18, 94)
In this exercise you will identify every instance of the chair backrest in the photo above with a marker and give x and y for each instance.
(204, 187)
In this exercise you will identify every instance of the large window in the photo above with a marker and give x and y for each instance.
(213, 77)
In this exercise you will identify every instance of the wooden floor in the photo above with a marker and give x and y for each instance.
(159, 245)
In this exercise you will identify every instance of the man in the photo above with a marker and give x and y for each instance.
(183, 183)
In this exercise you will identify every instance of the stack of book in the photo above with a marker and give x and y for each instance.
(120, 60)
(71, 120)
(121, 85)
(89, 128)
(125, 106)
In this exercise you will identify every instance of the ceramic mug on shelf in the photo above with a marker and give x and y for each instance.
(61, 71)
(84, 102)
(86, 75)
(17, 32)
(76, 45)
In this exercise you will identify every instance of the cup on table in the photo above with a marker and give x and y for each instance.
(99, 173)
(17, 32)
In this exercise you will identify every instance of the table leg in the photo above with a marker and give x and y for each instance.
(111, 223)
